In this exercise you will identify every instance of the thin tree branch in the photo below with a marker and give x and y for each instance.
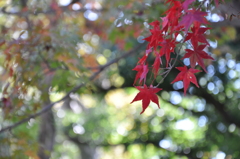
(233, 23)
(91, 78)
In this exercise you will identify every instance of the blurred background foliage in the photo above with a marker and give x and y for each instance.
(48, 47)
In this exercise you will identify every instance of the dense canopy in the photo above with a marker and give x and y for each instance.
(70, 69)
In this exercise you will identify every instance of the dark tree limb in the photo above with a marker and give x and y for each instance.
(233, 23)
(230, 12)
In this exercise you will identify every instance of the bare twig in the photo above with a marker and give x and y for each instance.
(91, 78)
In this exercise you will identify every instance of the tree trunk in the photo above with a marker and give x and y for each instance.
(87, 151)
(47, 129)
(46, 135)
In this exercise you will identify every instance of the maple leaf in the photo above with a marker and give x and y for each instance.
(197, 35)
(197, 55)
(155, 24)
(171, 2)
(156, 65)
(164, 23)
(156, 35)
(193, 16)
(186, 3)
(174, 13)
(186, 75)
(147, 94)
(143, 59)
(168, 46)
(142, 72)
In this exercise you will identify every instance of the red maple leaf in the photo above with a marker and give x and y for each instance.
(193, 16)
(186, 3)
(142, 72)
(174, 13)
(197, 55)
(156, 35)
(186, 75)
(171, 2)
(143, 59)
(168, 46)
(155, 24)
(197, 35)
(147, 94)
(164, 23)
(156, 65)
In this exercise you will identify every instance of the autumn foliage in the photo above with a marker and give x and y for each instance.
(182, 20)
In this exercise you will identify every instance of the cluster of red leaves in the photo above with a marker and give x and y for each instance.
(162, 43)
